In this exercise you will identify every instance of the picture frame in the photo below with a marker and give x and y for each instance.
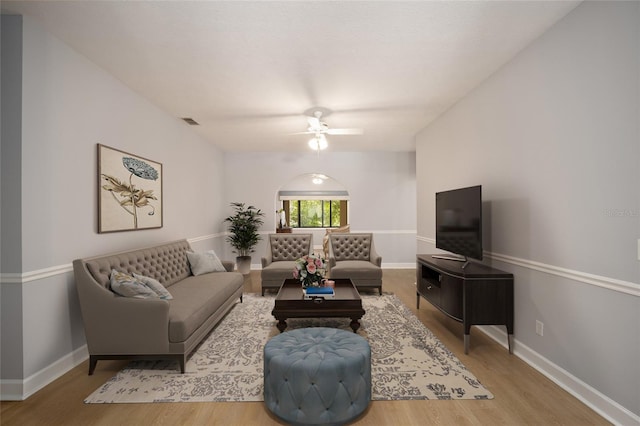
(129, 191)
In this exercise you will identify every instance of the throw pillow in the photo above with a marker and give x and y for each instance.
(202, 263)
(129, 286)
(155, 285)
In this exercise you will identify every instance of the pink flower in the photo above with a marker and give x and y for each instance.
(311, 268)
(296, 274)
(318, 263)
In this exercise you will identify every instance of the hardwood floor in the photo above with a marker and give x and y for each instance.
(522, 395)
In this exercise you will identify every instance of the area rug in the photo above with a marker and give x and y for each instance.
(407, 360)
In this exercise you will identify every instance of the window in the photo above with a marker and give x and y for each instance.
(315, 213)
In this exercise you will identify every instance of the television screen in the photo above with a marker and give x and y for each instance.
(459, 221)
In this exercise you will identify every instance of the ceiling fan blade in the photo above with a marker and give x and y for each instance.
(345, 132)
(303, 133)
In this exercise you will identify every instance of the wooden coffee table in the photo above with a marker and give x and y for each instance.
(290, 303)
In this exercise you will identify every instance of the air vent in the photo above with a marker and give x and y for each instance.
(190, 121)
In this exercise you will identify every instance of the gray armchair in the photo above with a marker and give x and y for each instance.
(282, 252)
(354, 256)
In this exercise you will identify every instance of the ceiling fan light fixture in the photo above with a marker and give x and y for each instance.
(318, 178)
(318, 143)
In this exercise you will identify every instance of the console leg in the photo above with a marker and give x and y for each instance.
(510, 343)
(466, 344)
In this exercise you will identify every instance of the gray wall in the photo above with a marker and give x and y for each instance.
(553, 138)
(68, 106)
(381, 186)
(11, 196)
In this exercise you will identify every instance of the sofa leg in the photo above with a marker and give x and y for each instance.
(93, 361)
(182, 360)
(240, 298)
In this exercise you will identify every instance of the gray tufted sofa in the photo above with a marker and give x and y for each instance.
(282, 252)
(354, 256)
(122, 327)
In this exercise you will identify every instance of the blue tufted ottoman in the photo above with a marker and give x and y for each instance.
(317, 376)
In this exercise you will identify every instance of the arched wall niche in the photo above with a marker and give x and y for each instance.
(310, 186)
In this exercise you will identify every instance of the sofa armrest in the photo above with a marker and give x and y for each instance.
(116, 325)
(266, 261)
(374, 257)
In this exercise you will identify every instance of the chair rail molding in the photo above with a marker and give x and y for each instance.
(40, 274)
(613, 284)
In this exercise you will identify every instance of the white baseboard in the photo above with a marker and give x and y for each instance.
(399, 265)
(18, 390)
(601, 404)
(11, 390)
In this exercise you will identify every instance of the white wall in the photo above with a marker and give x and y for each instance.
(68, 106)
(553, 138)
(381, 187)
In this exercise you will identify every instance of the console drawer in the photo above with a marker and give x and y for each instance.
(430, 291)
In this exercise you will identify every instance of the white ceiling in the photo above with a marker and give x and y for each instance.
(248, 71)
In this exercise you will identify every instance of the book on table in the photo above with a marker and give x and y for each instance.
(313, 292)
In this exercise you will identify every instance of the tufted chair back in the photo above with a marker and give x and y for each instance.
(351, 246)
(289, 246)
(325, 240)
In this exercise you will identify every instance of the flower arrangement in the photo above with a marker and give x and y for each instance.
(309, 270)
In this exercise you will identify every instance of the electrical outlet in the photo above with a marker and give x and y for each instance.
(539, 328)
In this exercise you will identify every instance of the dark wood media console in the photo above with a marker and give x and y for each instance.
(475, 294)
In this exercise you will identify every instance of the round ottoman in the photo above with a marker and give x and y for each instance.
(317, 375)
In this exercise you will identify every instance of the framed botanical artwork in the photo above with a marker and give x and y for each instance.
(129, 191)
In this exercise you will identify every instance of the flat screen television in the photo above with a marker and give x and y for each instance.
(459, 222)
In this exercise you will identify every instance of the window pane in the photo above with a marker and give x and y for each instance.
(326, 216)
(310, 213)
(316, 213)
(335, 213)
(293, 214)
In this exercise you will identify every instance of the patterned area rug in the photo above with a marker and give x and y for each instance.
(407, 360)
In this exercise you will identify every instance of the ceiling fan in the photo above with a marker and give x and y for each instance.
(320, 129)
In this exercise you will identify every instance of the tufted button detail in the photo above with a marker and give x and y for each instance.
(287, 247)
(167, 263)
(340, 360)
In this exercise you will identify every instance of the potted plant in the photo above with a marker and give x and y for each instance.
(243, 229)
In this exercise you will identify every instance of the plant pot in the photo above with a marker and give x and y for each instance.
(244, 264)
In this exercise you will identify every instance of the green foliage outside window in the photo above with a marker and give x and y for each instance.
(314, 213)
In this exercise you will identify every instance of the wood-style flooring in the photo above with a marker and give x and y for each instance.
(522, 395)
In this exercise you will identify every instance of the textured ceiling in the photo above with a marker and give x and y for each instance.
(248, 71)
